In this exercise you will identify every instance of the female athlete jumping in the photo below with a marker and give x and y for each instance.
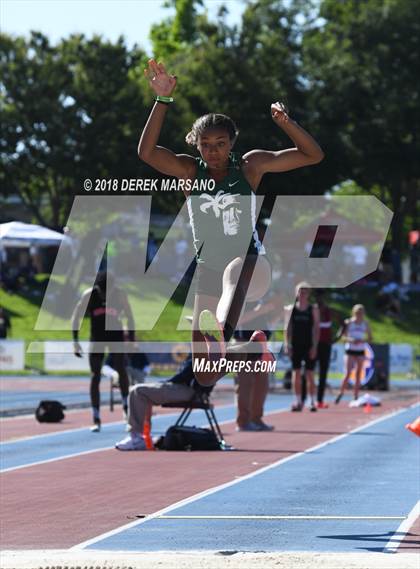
(223, 219)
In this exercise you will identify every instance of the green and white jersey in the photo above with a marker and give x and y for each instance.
(223, 220)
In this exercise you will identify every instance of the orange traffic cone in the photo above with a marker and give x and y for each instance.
(147, 436)
(367, 408)
(414, 427)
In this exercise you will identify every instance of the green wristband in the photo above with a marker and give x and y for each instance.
(166, 100)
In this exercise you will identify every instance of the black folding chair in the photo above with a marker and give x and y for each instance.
(199, 401)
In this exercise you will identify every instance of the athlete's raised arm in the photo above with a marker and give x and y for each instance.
(163, 159)
(306, 150)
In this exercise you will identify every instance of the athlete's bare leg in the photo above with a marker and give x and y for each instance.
(297, 385)
(350, 362)
(309, 374)
(359, 369)
(240, 279)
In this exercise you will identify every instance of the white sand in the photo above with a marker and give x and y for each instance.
(52, 559)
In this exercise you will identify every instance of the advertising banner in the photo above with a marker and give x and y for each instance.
(12, 355)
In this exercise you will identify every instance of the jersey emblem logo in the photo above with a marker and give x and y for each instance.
(225, 203)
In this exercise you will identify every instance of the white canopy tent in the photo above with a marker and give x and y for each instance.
(18, 234)
(29, 240)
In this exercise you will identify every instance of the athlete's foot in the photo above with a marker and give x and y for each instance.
(313, 408)
(296, 407)
(213, 335)
(322, 405)
(96, 427)
(338, 398)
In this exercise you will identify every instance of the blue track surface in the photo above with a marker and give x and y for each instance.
(28, 400)
(368, 473)
(45, 447)
(16, 400)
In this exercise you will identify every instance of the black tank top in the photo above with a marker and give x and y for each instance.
(302, 322)
(102, 313)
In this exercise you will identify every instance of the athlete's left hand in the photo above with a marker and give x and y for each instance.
(279, 113)
(77, 350)
(159, 79)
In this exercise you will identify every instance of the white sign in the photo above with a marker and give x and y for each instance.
(337, 358)
(12, 355)
(59, 356)
(400, 358)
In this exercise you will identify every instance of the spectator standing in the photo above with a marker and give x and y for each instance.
(100, 304)
(414, 261)
(356, 332)
(5, 324)
(326, 317)
(301, 341)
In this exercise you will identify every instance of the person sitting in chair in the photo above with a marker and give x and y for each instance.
(181, 387)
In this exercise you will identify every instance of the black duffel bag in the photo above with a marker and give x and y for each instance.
(49, 412)
(188, 438)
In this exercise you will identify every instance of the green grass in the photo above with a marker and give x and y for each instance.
(24, 307)
(385, 329)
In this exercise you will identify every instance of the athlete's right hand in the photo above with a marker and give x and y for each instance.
(160, 81)
(77, 349)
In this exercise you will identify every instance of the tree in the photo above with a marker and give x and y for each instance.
(34, 119)
(69, 112)
(360, 63)
(176, 33)
(240, 71)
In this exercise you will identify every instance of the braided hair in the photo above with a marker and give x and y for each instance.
(212, 120)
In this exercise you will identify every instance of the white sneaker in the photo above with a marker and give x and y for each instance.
(96, 427)
(132, 442)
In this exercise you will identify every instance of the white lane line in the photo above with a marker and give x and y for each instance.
(78, 429)
(55, 433)
(281, 518)
(48, 460)
(81, 453)
(71, 411)
(399, 535)
(220, 487)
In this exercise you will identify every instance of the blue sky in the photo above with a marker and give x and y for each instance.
(111, 18)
